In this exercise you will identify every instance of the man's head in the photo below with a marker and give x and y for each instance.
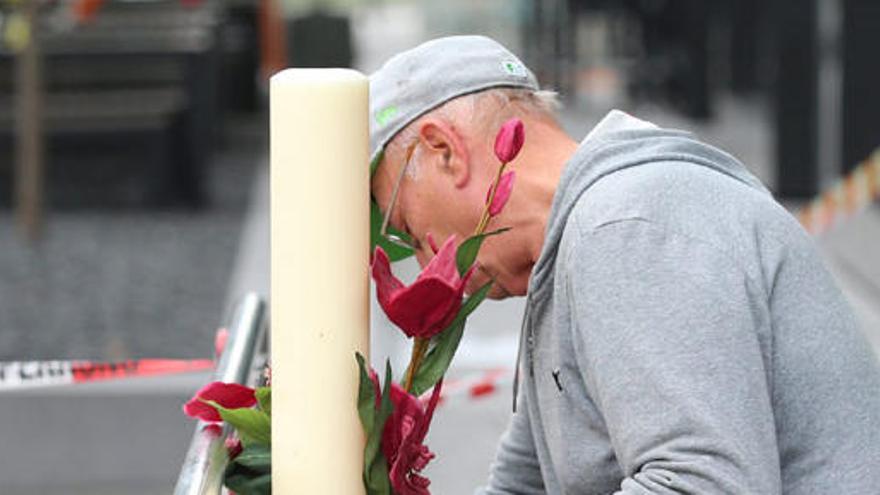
(435, 111)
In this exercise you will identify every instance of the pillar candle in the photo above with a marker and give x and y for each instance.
(319, 170)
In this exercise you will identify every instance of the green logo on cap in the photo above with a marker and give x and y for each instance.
(514, 68)
(386, 114)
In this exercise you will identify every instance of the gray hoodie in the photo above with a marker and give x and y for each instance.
(682, 336)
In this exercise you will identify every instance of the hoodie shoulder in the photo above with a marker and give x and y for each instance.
(628, 168)
(671, 192)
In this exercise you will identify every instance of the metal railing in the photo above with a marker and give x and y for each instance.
(202, 471)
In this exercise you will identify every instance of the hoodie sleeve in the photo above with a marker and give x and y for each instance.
(516, 470)
(666, 342)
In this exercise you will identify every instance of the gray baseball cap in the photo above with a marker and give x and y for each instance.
(418, 80)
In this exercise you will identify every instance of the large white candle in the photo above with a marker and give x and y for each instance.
(320, 282)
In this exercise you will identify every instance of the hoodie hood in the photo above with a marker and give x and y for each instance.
(617, 142)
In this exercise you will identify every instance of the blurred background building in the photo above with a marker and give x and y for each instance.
(134, 180)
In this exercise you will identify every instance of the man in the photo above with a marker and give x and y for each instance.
(681, 334)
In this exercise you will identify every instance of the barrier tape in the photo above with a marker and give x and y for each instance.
(31, 374)
(474, 386)
(848, 196)
(17, 375)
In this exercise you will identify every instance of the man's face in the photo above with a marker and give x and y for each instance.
(437, 196)
(425, 203)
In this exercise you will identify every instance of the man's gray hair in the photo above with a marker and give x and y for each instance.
(480, 112)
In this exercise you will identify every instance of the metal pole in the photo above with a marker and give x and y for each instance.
(29, 128)
(202, 471)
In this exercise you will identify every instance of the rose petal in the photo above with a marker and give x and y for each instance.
(424, 308)
(386, 283)
(214, 429)
(228, 395)
(442, 265)
(432, 405)
(502, 194)
(406, 406)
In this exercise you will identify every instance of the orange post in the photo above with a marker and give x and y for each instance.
(273, 39)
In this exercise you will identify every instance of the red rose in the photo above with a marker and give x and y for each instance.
(403, 439)
(430, 304)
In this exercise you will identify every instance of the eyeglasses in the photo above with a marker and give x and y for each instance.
(395, 237)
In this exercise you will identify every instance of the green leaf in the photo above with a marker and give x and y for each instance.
(377, 482)
(251, 472)
(256, 457)
(439, 358)
(259, 485)
(253, 426)
(375, 465)
(366, 396)
(467, 251)
(264, 399)
(394, 252)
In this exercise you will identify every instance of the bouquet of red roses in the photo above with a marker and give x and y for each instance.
(432, 311)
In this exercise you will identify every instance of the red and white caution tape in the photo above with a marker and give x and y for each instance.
(30, 374)
(845, 198)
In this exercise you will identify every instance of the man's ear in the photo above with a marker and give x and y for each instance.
(446, 148)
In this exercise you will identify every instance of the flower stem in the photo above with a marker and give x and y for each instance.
(420, 347)
(484, 218)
